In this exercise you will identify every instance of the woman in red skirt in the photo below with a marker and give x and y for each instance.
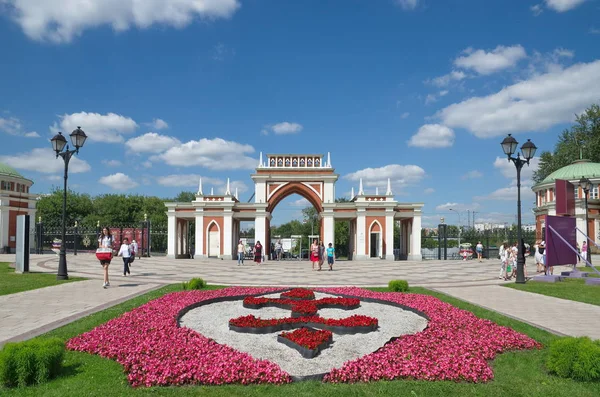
(258, 253)
(314, 253)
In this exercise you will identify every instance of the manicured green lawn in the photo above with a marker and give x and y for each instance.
(11, 282)
(571, 289)
(516, 373)
(591, 271)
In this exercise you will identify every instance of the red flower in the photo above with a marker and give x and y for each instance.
(308, 338)
(299, 293)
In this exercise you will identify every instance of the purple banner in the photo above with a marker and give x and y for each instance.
(557, 251)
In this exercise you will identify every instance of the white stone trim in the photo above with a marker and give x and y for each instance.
(308, 185)
(269, 195)
(380, 248)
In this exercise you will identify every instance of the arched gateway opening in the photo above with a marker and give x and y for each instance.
(371, 217)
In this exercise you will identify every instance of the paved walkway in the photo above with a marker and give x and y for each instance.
(27, 314)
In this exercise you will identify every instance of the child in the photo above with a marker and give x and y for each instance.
(330, 256)
(125, 252)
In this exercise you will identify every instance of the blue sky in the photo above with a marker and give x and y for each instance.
(420, 91)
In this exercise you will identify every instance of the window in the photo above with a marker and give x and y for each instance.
(576, 192)
(594, 193)
(5, 185)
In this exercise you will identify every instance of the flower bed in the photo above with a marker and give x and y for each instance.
(456, 345)
(154, 350)
(309, 342)
(349, 325)
(301, 307)
(298, 293)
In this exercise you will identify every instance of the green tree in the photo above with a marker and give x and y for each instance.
(581, 140)
(49, 207)
(185, 197)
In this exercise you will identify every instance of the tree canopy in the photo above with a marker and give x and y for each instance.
(582, 140)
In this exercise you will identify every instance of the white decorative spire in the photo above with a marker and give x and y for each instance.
(227, 190)
(236, 194)
(352, 193)
(360, 188)
(389, 188)
(376, 191)
(328, 160)
(260, 161)
(212, 192)
(200, 187)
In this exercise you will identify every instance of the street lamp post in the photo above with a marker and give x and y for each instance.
(509, 146)
(59, 142)
(586, 185)
(459, 226)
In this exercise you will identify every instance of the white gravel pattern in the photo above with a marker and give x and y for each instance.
(212, 321)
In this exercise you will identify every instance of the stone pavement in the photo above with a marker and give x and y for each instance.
(559, 316)
(27, 314)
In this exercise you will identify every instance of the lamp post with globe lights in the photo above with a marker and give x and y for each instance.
(509, 146)
(586, 185)
(59, 142)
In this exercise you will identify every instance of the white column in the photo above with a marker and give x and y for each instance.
(415, 235)
(199, 235)
(227, 235)
(328, 192)
(389, 237)
(260, 229)
(328, 230)
(4, 220)
(260, 192)
(361, 237)
(171, 234)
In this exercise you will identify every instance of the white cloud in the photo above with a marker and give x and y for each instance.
(472, 175)
(432, 136)
(404, 115)
(490, 62)
(551, 62)
(509, 194)
(443, 93)
(240, 185)
(301, 202)
(152, 142)
(536, 9)
(107, 128)
(60, 21)
(400, 176)
(431, 98)
(158, 124)
(594, 30)
(112, 163)
(563, 5)
(457, 207)
(215, 154)
(44, 161)
(118, 181)
(190, 180)
(54, 178)
(283, 128)
(445, 80)
(13, 126)
(407, 4)
(222, 52)
(508, 170)
(429, 190)
(531, 105)
(147, 164)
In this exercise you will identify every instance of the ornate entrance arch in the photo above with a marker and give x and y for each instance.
(371, 216)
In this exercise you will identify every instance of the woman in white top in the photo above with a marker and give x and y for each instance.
(105, 241)
(125, 252)
(503, 260)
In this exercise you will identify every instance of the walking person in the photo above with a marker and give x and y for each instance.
(125, 252)
(134, 249)
(240, 252)
(479, 250)
(258, 252)
(322, 254)
(584, 251)
(314, 253)
(278, 249)
(330, 256)
(503, 259)
(105, 240)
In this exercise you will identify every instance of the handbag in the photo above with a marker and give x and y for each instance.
(104, 254)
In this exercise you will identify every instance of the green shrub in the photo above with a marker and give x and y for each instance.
(195, 283)
(398, 285)
(31, 362)
(575, 358)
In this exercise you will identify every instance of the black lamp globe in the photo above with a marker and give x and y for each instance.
(528, 150)
(509, 145)
(58, 143)
(78, 138)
